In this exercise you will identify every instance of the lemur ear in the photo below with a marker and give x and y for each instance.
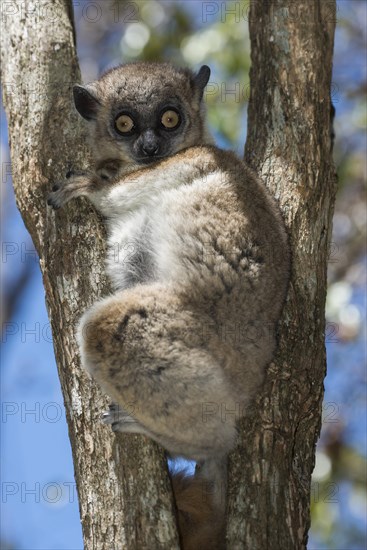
(85, 102)
(201, 79)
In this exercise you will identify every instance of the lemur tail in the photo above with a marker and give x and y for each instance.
(200, 502)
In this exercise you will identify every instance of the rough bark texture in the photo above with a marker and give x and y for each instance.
(122, 482)
(124, 491)
(288, 145)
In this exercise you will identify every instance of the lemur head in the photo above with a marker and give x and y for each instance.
(142, 112)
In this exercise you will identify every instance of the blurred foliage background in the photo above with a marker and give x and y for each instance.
(38, 485)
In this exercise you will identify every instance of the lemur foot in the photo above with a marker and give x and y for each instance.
(122, 421)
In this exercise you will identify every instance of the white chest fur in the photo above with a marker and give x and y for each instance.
(129, 257)
(132, 210)
(144, 215)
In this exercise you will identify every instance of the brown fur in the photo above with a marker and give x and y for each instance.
(186, 337)
(200, 521)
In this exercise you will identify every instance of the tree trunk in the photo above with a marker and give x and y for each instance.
(124, 490)
(289, 146)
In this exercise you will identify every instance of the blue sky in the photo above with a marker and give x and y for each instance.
(39, 506)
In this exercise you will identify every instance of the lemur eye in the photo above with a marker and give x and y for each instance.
(170, 119)
(124, 124)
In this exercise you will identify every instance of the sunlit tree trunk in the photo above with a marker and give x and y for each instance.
(288, 144)
(124, 490)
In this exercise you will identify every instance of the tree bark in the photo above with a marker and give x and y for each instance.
(289, 146)
(124, 490)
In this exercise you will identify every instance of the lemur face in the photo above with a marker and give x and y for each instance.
(144, 112)
(149, 132)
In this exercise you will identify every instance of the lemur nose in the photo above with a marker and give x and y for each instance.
(150, 143)
(150, 149)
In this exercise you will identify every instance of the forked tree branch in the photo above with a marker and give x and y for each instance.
(124, 494)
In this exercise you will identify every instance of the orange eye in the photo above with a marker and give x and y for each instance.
(170, 119)
(124, 124)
